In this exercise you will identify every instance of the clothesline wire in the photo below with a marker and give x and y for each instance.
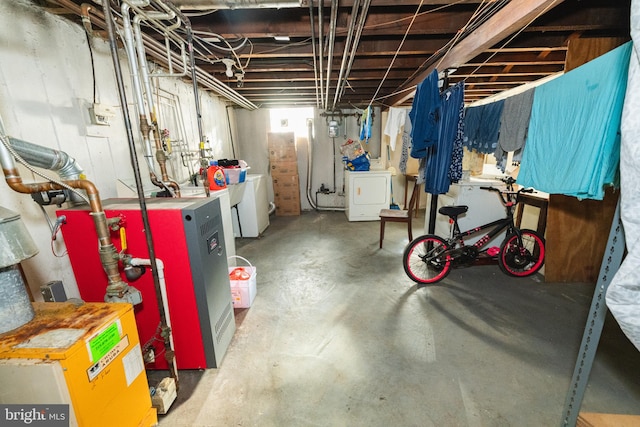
(398, 92)
(395, 55)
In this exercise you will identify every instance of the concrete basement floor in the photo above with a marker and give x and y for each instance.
(339, 336)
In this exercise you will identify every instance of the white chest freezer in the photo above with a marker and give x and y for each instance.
(484, 207)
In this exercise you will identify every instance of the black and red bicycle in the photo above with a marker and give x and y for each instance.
(429, 258)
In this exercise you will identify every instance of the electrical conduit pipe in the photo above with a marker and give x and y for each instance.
(309, 173)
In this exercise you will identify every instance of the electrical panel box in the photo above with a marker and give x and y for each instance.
(85, 356)
(53, 291)
(101, 114)
(188, 237)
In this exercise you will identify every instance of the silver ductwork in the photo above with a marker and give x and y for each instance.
(236, 4)
(48, 158)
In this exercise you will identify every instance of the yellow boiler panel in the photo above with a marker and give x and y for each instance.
(86, 356)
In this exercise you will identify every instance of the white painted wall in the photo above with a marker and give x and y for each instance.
(46, 89)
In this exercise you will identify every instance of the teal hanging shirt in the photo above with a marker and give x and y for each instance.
(573, 144)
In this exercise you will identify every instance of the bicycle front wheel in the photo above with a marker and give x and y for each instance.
(524, 258)
(425, 259)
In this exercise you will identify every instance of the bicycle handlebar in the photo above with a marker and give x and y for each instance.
(509, 192)
(498, 190)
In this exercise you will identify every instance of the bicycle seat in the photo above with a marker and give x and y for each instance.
(453, 211)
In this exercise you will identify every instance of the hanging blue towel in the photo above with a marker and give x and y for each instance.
(573, 145)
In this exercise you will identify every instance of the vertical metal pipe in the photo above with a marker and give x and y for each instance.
(332, 38)
(313, 45)
(347, 46)
(356, 40)
(145, 119)
(194, 79)
(321, 49)
(129, 47)
(152, 131)
(144, 68)
(136, 171)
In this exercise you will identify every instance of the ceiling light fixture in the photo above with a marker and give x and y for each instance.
(282, 38)
(229, 63)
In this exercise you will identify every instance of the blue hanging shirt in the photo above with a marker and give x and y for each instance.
(425, 116)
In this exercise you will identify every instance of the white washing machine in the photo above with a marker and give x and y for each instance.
(366, 194)
(252, 216)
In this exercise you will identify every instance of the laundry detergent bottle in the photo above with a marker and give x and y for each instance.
(215, 174)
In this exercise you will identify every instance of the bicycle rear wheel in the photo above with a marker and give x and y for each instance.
(524, 259)
(425, 259)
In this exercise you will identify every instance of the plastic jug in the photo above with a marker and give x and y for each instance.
(215, 174)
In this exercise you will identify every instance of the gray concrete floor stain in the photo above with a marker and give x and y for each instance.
(339, 336)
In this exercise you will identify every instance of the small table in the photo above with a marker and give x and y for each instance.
(412, 177)
(537, 201)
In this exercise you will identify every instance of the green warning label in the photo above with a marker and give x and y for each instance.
(102, 343)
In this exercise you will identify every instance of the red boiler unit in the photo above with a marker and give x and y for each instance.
(189, 239)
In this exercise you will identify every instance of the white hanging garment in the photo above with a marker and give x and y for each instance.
(623, 294)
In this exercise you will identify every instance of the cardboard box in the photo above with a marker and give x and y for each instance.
(285, 182)
(284, 168)
(281, 140)
(287, 204)
(243, 292)
(283, 198)
(288, 210)
(286, 192)
(282, 154)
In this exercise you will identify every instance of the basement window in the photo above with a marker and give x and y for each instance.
(290, 120)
